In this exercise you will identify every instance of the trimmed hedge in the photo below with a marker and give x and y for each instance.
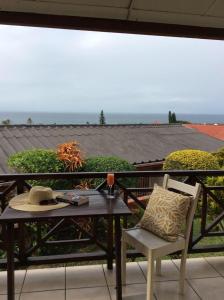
(39, 161)
(109, 164)
(36, 161)
(191, 160)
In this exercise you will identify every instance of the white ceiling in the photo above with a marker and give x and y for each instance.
(205, 13)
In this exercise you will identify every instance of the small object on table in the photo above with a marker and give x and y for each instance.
(73, 199)
(110, 183)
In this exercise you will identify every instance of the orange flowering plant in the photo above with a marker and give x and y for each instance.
(71, 155)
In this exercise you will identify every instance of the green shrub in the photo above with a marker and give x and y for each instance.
(191, 160)
(219, 155)
(109, 164)
(215, 181)
(194, 160)
(36, 161)
(39, 161)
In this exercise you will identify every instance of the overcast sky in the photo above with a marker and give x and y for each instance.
(79, 71)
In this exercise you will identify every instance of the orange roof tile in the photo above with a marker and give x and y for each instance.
(215, 130)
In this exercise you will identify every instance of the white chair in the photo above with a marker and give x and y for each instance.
(154, 247)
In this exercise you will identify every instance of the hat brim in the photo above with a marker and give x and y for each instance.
(19, 202)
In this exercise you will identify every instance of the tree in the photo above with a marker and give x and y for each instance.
(6, 122)
(29, 121)
(172, 117)
(102, 119)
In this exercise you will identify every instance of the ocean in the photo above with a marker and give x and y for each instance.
(111, 118)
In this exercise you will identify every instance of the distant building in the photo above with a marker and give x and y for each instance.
(214, 130)
(143, 145)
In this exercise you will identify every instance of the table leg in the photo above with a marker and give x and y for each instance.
(118, 257)
(10, 261)
(110, 235)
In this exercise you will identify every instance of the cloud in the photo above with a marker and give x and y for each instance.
(65, 70)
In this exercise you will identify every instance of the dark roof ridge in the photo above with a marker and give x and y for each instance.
(89, 125)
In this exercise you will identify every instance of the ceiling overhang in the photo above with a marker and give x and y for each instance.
(182, 18)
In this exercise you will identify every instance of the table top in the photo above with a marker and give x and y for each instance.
(99, 205)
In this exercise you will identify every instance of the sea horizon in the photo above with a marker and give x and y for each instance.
(38, 118)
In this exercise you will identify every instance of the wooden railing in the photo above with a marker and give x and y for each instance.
(208, 225)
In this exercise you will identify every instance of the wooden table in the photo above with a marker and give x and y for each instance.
(99, 206)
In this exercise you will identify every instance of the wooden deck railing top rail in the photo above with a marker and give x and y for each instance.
(127, 174)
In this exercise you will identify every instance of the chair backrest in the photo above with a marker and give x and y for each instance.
(191, 190)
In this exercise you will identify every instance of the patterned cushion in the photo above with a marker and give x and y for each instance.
(165, 213)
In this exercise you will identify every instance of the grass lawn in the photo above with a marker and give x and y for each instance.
(216, 240)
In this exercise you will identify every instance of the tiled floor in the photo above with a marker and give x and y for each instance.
(205, 280)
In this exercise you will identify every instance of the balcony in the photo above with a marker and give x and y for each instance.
(205, 280)
(205, 275)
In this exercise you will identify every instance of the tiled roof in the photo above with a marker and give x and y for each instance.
(135, 143)
(214, 130)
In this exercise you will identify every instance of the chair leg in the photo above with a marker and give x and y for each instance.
(182, 271)
(150, 272)
(158, 266)
(123, 261)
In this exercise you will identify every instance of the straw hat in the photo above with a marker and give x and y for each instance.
(31, 201)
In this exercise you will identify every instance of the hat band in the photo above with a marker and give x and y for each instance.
(49, 202)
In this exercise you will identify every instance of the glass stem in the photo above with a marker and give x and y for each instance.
(110, 190)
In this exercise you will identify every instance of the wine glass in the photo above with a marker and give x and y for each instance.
(110, 183)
